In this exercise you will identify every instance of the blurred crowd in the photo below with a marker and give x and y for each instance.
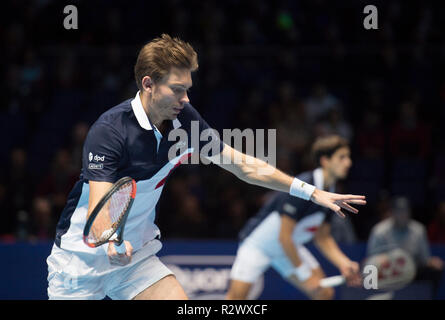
(306, 68)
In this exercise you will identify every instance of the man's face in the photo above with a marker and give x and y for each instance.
(339, 163)
(170, 93)
(401, 218)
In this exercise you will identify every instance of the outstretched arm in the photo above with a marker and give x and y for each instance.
(258, 172)
(328, 246)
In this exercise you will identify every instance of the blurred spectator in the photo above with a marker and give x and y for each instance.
(334, 124)
(409, 136)
(245, 54)
(8, 222)
(342, 230)
(78, 135)
(41, 225)
(436, 229)
(400, 231)
(288, 117)
(371, 136)
(59, 181)
(319, 103)
(183, 216)
(19, 182)
(188, 221)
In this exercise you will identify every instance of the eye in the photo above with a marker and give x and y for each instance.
(178, 90)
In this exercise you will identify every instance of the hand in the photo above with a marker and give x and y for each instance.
(119, 259)
(312, 284)
(436, 263)
(351, 271)
(336, 202)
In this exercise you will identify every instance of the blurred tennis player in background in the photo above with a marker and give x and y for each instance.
(131, 139)
(276, 235)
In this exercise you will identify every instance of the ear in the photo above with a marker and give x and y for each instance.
(147, 84)
(324, 160)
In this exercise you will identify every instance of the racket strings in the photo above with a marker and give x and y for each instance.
(108, 219)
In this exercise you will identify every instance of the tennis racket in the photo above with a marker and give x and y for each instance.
(107, 220)
(395, 269)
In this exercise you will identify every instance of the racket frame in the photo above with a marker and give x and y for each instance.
(120, 224)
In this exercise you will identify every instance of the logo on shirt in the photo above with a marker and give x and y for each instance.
(289, 208)
(96, 158)
(94, 166)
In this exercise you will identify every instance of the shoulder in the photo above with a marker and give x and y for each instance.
(307, 176)
(115, 115)
(382, 227)
(417, 228)
(189, 113)
(112, 123)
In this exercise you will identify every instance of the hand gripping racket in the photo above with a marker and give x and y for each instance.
(107, 220)
(395, 268)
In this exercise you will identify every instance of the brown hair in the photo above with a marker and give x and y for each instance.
(158, 56)
(327, 146)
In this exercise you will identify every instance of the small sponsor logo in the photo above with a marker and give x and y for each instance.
(99, 158)
(90, 156)
(289, 208)
(95, 166)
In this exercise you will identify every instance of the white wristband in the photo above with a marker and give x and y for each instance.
(303, 272)
(301, 189)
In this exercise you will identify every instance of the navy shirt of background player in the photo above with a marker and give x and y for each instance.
(265, 225)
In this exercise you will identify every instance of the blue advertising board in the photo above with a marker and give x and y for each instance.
(202, 267)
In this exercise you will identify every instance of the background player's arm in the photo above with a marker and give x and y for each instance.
(303, 273)
(287, 227)
(328, 246)
(258, 172)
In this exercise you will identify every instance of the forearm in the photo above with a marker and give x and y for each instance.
(258, 172)
(331, 251)
(291, 251)
(302, 270)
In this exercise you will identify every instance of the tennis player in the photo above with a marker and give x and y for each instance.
(276, 235)
(131, 139)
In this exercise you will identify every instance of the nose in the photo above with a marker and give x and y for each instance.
(185, 98)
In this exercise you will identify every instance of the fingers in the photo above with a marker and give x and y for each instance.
(361, 202)
(116, 258)
(346, 206)
(340, 214)
(351, 198)
(129, 248)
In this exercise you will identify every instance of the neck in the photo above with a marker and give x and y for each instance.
(154, 117)
(328, 179)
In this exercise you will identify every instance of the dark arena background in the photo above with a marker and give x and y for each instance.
(306, 68)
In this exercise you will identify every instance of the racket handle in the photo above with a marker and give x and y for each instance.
(332, 281)
(120, 248)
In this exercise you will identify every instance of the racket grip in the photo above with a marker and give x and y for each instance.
(120, 248)
(332, 281)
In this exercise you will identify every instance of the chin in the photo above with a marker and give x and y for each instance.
(343, 176)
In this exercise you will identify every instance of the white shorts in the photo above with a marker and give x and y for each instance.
(82, 276)
(251, 262)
